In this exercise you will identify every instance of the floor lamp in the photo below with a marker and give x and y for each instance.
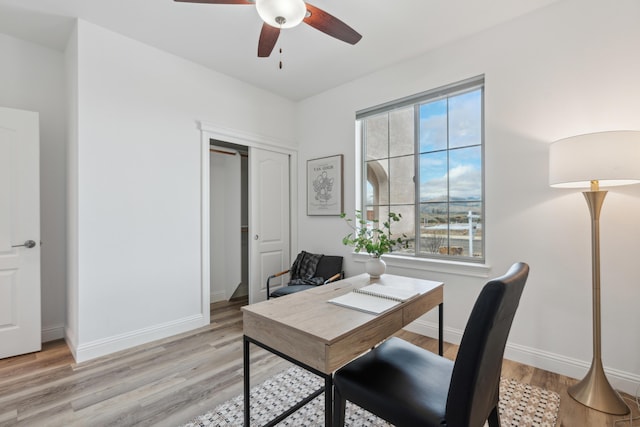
(607, 159)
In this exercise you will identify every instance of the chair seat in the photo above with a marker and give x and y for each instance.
(409, 387)
(286, 290)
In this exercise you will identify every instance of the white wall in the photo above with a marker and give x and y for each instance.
(138, 257)
(568, 69)
(32, 78)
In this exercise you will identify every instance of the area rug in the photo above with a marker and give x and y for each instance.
(521, 405)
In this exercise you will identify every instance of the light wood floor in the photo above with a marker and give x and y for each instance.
(170, 381)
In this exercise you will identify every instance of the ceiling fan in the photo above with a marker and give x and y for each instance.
(278, 14)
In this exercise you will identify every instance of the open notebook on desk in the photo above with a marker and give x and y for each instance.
(374, 299)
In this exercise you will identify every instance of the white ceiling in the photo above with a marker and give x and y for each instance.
(225, 37)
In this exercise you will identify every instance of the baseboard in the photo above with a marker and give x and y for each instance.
(102, 347)
(52, 333)
(570, 367)
(218, 296)
(69, 335)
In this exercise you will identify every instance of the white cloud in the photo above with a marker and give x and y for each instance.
(465, 182)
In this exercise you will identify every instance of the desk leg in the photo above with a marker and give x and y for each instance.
(440, 327)
(327, 389)
(246, 358)
(328, 400)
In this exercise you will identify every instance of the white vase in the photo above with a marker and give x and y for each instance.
(375, 266)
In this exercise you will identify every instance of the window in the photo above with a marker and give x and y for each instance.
(423, 159)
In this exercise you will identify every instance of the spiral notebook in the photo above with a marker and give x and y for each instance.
(374, 299)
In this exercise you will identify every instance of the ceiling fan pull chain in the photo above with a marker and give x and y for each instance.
(280, 49)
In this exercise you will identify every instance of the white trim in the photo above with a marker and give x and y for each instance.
(212, 131)
(567, 366)
(71, 342)
(52, 333)
(570, 367)
(428, 264)
(240, 137)
(205, 225)
(105, 346)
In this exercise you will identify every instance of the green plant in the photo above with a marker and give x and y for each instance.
(375, 239)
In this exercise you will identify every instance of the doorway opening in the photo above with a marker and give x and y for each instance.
(270, 214)
(229, 221)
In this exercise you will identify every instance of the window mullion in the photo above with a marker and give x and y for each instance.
(416, 178)
(364, 169)
(388, 168)
(448, 130)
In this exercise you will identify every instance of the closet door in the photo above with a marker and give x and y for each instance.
(20, 330)
(269, 225)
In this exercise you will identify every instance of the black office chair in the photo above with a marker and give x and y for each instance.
(410, 386)
(308, 271)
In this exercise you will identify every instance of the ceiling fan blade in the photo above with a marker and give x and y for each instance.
(329, 24)
(218, 1)
(268, 38)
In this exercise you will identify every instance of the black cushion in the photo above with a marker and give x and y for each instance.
(403, 382)
(286, 290)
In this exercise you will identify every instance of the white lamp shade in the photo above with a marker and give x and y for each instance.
(612, 158)
(293, 12)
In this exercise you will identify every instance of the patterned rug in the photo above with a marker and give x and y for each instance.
(521, 405)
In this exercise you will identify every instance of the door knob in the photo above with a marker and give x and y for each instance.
(256, 237)
(28, 244)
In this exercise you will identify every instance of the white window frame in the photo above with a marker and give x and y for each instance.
(469, 266)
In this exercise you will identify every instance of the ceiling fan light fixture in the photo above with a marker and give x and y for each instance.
(281, 13)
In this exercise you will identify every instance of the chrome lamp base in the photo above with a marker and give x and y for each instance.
(595, 392)
(594, 389)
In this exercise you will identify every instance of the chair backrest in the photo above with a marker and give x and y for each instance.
(305, 265)
(475, 381)
(329, 266)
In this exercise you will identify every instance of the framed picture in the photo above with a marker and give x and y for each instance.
(324, 186)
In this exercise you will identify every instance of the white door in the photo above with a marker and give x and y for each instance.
(268, 218)
(20, 330)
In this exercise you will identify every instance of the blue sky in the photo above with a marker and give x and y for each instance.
(463, 125)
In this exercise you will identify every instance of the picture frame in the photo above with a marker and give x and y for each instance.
(325, 186)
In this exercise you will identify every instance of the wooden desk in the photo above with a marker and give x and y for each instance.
(319, 336)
